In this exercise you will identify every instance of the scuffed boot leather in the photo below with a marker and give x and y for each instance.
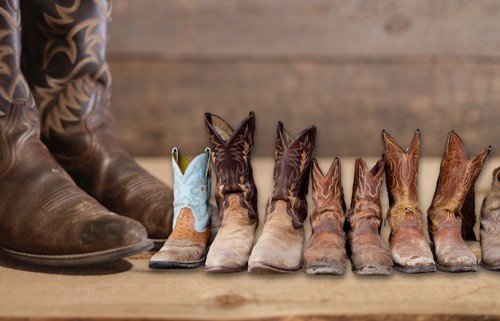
(186, 246)
(447, 215)
(44, 217)
(490, 226)
(279, 248)
(64, 44)
(325, 253)
(235, 194)
(410, 251)
(369, 255)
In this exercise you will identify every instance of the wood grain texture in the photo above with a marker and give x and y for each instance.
(294, 28)
(128, 289)
(159, 105)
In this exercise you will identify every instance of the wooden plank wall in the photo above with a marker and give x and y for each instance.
(352, 68)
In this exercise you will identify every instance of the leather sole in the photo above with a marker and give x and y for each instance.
(373, 270)
(416, 269)
(490, 267)
(80, 259)
(176, 265)
(266, 269)
(224, 269)
(324, 269)
(457, 269)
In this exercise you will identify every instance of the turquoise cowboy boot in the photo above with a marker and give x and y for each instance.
(186, 246)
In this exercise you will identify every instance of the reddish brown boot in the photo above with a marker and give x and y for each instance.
(325, 253)
(452, 215)
(64, 43)
(44, 217)
(369, 255)
(410, 251)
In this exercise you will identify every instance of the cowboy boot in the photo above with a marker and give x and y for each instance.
(369, 255)
(326, 253)
(44, 217)
(65, 48)
(490, 226)
(447, 215)
(410, 251)
(185, 247)
(279, 248)
(235, 194)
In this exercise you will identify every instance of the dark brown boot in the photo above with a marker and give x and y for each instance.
(410, 251)
(325, 253)
(449, 221)
(235, 194)
(64, 44)
(44, 217)
(369, 255)
(279, 248)
(490, 226)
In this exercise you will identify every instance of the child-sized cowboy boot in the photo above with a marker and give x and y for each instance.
(185, 247)
(235, 194)
(410, 251)
(326, 253)
(490, 226)
(369, 255)
(450, 222)
(279, 247)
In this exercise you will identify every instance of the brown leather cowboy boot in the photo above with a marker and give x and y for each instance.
(447, 215)
(235, 194)
(369, 255)
(326, 253)
(490, 226)
(410, 251)
(44, 217)
(279, 248)
(64, 44)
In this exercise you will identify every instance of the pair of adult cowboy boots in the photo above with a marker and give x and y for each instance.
(279, 248)
(326, 251)
(45, 218)
(451, 214)
(187, 245)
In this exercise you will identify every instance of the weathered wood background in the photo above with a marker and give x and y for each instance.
(352, 68)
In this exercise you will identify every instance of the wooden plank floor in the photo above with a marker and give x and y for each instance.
(129, 289)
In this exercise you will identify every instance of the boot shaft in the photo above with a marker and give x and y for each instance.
(231, 151)
(457, 176)
(328, 196)
(64, 60)
(401, 169)
(291, 172)
(367, 186)
(192, 187)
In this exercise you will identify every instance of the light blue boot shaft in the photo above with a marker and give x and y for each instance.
(192, 187)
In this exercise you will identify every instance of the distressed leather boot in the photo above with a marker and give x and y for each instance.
(490, 226)
(235, 194)
(452, 214)
(44, 217)
(410, 251)
(185, 247)
(279, 248)
(64, 44)
(326, 252)
(369, 255)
